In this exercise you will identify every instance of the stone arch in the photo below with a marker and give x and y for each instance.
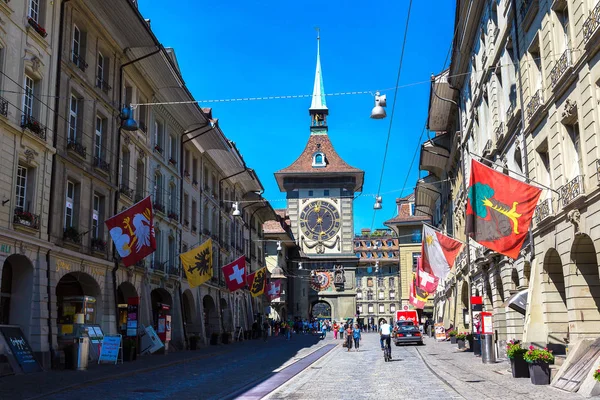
(499, 286)
(125, 291)
(211, 316)
(189, 312)
(16, 290)
(584, 287)
(162, 304)
(464, 294)
(554, 298)
(514, 278)
(227, 323)
(321, 309)
(78, 301)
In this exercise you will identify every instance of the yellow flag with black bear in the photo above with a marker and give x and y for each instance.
(197, 264)
(257, 281)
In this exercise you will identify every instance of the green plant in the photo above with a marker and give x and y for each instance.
(543, 355)
(469, 336)
(452, 333)
(461, 336)
(597, 375)
(514, 349)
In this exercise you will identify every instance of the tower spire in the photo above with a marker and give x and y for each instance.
(318, 108)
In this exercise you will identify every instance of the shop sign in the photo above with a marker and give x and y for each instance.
(5, 248)
(149, 340)
(111, 344)
(20, 348)
(62, 265)
(132, 315)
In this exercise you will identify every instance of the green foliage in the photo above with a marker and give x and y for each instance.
(477, 194)
(461, 336)
(514, 349)
(597, 375)
(542, 355)
(452, 333)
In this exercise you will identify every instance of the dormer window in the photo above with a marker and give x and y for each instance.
(318, 160)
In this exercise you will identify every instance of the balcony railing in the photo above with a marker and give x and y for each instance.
(571, 190)
(79, 60)
(139, 197)
(76, 147)
(37, 27)
(534, 104)
(591, 24)
(158, 207)
(543, 210)
(101, 164)
(102, 84)
(26, 218)
(3, 107)
(561, 66)
(33, 125)
(488, 147)
(126, 191)
(499, 132)
(72, 235)
(98, 245)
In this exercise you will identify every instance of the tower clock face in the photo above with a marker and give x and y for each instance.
(319, 220)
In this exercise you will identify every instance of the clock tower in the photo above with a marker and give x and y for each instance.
(320, 188)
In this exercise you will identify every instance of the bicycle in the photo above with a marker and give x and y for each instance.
(387, 350)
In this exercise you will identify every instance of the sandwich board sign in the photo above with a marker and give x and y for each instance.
(111, 346)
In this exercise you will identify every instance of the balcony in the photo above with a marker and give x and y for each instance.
(74, 146)
(487, 148)
(102, 84)
(158, 149)
(534, 104)
(499, 132)
(26, 219)
(126, 191)
(571, 191)
(562, 66)
(157, 206)
(79, 60)
(72, 235)
(173, 216)
(37, 27)
(102, 165)
(98, 245)
(543, 211)
(527, 11)
(3, 107)
(33, 125)
(590, 27)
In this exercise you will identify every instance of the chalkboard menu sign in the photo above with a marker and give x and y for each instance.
(20, 348)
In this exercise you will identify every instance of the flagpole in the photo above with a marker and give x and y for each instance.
(515, 172)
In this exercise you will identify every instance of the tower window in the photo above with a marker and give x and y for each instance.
(318, 160)
(326, 192)
(310, 193)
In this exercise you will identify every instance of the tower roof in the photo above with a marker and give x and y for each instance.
(318, 98)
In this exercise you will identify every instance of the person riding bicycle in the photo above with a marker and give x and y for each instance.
(385, 332)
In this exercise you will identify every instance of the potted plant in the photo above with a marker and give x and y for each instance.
(597, 375)
(129, 349)
(452, 334)
(514, 351)
(214, 339)
(539, 364)
(469, 338)
(460, 340)
(193, 342)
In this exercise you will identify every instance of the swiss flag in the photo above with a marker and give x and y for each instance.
(274, 289)
(425, 280)
(235, 274)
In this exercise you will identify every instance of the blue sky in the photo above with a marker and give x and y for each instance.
(234, 49)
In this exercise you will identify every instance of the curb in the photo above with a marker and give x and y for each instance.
(436, 374)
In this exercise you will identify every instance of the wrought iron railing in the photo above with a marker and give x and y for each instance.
(98, 244)
(591, 24)
(499, 131)
(34, 126)
(488, 147)
(101, 164)
(78, 148)
(3, 106)
(571, 190)
(26, 218)
(79, 60)
(561, 66)
(138, 197)
(126, 191)
(37, 27)
(72, 235)
(102, 84)
(543, 210)
(157, 206)
(534, 104)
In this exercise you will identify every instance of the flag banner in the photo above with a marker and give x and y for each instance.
(274, 289)
(425, 280)
(438, 252)
(257, 281)
(499, 209)
(417, 297)
(197, 264)
(235, 274)
(132, 231)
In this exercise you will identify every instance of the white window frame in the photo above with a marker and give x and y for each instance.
(392, 308)
(382, 308)
(98, 138)
(28, 96)
(73, 117)
(69, 201)
(360, 308)
(381, 295)
(21, 187)
(392, 295)
(34, 10)
(76, 44)
(96, 216)
(100, 69)
(371, 308)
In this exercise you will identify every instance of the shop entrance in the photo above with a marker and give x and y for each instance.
(189, 313)
(125, 291)
(78, 300)
(211, 317)
(226, 315)
(162, 303)
(16, 285)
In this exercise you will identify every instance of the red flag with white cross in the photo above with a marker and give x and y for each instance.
(426, 281)
(235, 274)
(274, 289)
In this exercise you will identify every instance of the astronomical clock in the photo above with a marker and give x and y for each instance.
(320, 223)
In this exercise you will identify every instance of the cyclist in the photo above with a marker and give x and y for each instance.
(385, 332)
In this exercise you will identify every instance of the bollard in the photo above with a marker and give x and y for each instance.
(488, 351)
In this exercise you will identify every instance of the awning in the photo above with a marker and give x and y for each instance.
(426, 195)
(435, 155)
(517, 301)
(440, 109)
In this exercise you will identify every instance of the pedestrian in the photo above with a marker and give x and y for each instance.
(357, 336)
(265, 330)
(342, 331)
(336, 327)
(349, 337)
(323, 331)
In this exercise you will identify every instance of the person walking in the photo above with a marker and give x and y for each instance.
(336, 327)
(341, 331)
(323, 330)
(349, 337)
(357, 336)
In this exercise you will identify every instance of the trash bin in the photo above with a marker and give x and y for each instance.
(488, 351)
(81, 352)
(477, 344)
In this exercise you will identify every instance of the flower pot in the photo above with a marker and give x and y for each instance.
(471, 344)
(477, 346)
(519, 367)
(453, 339)
(539, 373)
(461, 344)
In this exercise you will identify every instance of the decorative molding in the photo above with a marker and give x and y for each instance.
(30, 155)
(569, 113)
(141, 154)
(126, 139)
(574, 216)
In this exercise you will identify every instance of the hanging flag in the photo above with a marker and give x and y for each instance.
(132, 231)
(438, 252)
(417, 297)
(274, 289)
(257, 281)
(499, 209)
(197, 264)
(425, 280)
(235, 274)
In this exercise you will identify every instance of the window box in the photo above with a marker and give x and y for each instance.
(37, 27)
(98, 245)
(77, 148)
(34, 126)
(172, 161)
(205, 231)
(102, 84)
(127, 191)
(72, 235)
(173, 215)
(194, 229)
(158, 207)
(101, 165)
(158, 149)
(25, 218)
(195, 183)
(186, 222)
(186, 174)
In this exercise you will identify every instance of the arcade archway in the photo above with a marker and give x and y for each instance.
(16, 289)
(211, 316)
(555, 298)
(321, 310)
(162, 303)
(584, 287)
(125, 291)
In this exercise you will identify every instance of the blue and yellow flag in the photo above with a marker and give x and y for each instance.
(197, 264)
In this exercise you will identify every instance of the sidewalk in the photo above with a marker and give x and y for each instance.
(473, 379)
(25, 386)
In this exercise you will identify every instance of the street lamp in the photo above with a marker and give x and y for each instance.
(378, 111)
(127, 121)
(236, 210)
(377, 205)
(299, 265)
(279, 248)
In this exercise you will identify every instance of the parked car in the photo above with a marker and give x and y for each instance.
(407, 332)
